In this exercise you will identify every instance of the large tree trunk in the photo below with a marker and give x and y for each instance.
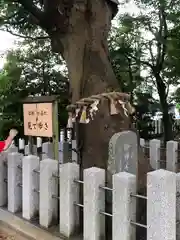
(79, 31)
(90, 72)
(167, 122)
(85, 50)
(86, 53)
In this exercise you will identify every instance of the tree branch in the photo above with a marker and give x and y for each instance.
(151, 52)
(167, 90)
(151, 29)
(5, 19)
(162, 40)
(159, 40)
(165, 34)
(33, 10)
(171, 4)
(141, 61)
(23, 36)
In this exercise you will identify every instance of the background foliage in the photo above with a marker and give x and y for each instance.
(144, 52)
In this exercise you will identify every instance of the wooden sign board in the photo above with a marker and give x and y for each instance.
(38, 119)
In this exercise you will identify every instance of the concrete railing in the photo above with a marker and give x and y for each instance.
(41, 186)
(37, 187)
(68, 152)
(162, 156)
(67, 149)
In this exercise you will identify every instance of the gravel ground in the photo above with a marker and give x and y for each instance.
(11, 235)
(4, 236)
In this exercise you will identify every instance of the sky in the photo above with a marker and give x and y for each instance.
(6, 43)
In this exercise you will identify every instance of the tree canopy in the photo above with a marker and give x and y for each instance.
(144, 42)
(143, 60)
(31, 69)
(149, 38)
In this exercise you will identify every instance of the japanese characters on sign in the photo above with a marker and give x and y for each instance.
(38, 119)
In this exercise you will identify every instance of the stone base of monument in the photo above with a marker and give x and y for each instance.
(126, 155)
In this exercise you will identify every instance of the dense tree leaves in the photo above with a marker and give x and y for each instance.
(31, 69)
(150, 39)
(146, 41)
(14, 18)
(121, 44)
(41, 68)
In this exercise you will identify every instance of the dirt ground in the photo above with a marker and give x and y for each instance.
(6, 236)
(7, 233)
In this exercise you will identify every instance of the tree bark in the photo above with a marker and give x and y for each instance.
(85, 51)
(167, 123)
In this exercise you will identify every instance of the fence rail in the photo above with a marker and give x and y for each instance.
(35, 197)
(157, 128)
(39, 187)
(67, 147)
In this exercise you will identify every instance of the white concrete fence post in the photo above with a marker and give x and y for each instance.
(142, 142)
(3, 179)
(12, 149)
(39, 142)
(21, 144)
(61, 152)
(74, 153)
(47, 150)
(48, 207)
(161, 205)
(30, 181)
(171, 156)
(69, 194)
(27, 150)
(94, 202)
(178, 205)
(124, 206)
(154, 153)
(3, 175)
(14, 182)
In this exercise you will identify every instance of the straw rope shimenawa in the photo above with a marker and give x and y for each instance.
(121, 98)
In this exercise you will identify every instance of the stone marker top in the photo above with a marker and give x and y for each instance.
(123, 152)
(48, 160)
(94, 169)
(31, 156)
(125, 175)
(161, 173)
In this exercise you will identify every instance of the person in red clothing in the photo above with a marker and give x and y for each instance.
(4, 145)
